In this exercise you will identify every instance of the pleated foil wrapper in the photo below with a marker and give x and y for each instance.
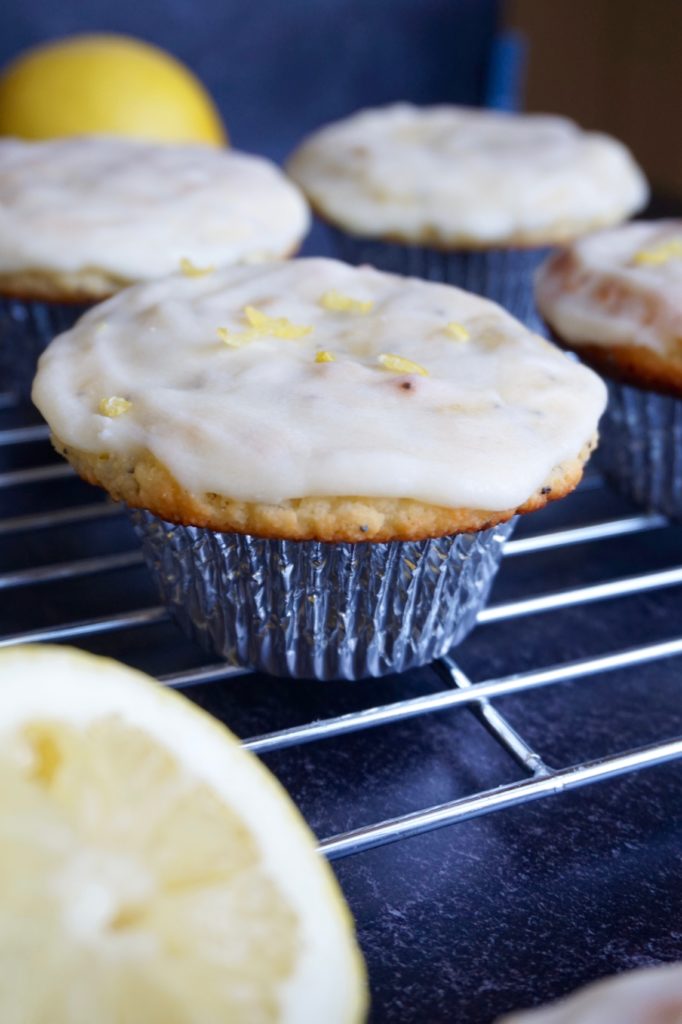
(503, 275)
(26, 329)
(313, 610)
(640, 447)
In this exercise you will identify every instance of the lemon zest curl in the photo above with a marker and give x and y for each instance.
(399, 364)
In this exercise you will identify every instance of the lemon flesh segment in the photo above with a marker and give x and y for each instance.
(131, 889)
(146, 882)
(106, 84)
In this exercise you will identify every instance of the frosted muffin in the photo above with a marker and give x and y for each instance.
(343, 449)
(472, 197)
(616, 298)
(82, 218)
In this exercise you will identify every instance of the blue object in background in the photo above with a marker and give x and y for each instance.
(506, 71)
(280, 68)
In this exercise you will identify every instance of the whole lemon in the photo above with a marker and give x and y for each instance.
(105, 84)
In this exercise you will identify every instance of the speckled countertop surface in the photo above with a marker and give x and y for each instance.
(493, 913)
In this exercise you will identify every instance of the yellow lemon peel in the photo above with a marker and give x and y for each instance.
(337, 302)
(114, 406)
(262, 326)
(325, 357)
(277, 326)
(659, 254)
(233, 339)
(398, 364)
(104, 84)
(457, 331)
(190, 269)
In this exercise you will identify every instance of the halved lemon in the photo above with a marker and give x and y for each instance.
(152, 871)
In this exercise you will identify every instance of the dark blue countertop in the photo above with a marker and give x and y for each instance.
(493, 913)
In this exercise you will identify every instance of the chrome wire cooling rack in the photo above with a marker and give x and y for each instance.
(56, 532)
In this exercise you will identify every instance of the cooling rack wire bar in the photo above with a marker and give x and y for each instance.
(539, 779)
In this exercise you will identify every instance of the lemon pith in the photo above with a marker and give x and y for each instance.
(135, 882)
(105, 84)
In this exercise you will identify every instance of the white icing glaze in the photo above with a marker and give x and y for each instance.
(463, 175)
(265, 422)
(600, 292)
(135, 209)
(644, 996)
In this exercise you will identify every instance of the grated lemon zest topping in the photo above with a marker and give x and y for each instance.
(190, 269)
(114, 406)
(261, 326)
(278, 327)
(659, 254)
(325, 357)
(457, 331)
(398, 364)
(233, 339)
(337, 302)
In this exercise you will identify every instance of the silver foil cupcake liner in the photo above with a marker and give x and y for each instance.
(640, 447)
(26, 329)
(503, 275)
(325, 611)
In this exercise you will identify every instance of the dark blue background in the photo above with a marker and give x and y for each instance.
(279, 68)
